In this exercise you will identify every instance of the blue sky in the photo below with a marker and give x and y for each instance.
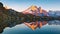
(21, 5)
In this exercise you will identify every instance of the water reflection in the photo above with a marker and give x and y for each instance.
(39, 24)
(54, 22)
(52, 27)
(36, 24)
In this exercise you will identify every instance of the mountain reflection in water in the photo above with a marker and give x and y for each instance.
(52, 27)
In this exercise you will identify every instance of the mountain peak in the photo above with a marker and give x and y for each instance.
(33, 8)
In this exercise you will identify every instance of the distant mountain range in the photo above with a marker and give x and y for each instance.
(41, 12)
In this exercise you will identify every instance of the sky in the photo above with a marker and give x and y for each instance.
(21, 5)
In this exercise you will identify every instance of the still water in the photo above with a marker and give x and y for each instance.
(23, 29)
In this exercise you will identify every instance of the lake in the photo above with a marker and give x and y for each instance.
(46, 29)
